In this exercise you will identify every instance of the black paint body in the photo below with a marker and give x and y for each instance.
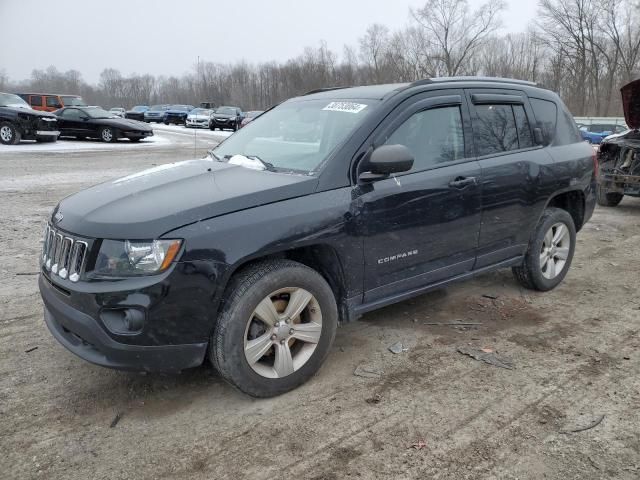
(356, 234)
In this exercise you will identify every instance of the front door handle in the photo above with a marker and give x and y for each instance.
(462, 182)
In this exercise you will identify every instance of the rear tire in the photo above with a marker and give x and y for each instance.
(608, 199)
(260, 308)
(9, 135)
(550, 252)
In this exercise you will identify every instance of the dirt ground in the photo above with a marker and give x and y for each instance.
(429, 412)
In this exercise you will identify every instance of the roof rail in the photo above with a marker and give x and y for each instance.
(319, 90)
(427, 81)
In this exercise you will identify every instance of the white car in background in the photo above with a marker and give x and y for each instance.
(199, 118)
(117, 111)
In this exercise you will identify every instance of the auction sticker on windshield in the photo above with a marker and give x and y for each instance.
(349, 107)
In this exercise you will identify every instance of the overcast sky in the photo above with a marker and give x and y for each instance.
(167, 36)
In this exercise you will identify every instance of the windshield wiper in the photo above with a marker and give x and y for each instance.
(268, 166)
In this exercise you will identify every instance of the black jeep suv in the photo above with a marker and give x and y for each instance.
(251, 257)
(18, 121)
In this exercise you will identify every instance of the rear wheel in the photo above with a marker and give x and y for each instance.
(550, 252)
(9, 135)
(608, 199)
(276, 328)
(107, 135)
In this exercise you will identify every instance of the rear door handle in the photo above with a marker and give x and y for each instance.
(461, 182)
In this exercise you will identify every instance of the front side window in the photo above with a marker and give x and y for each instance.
(296, 136)
(434, 136)
(36, 100)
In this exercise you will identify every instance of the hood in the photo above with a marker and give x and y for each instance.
(148, 204)
(224, 115)
(198, 116)
(30, 111)
(631, 104)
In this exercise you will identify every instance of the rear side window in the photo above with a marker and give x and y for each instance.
(53, 102)
(434, 136)
(495, 129)
(36, 101)
(557, 124)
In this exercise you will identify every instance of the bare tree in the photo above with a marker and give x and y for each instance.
(454, 33)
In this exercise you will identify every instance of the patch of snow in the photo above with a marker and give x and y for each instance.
(66, 145)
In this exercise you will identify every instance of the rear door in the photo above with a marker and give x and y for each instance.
(422, 226)
(517, 174)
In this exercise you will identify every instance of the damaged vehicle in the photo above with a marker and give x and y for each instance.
(18, 121)
(619, 155)
(250, 258)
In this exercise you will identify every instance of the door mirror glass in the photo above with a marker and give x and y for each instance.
(386, 160)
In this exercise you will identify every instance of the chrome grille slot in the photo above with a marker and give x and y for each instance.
(63, 255)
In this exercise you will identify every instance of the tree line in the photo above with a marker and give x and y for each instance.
(585, 50)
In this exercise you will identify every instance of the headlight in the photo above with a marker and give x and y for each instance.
(127, 258)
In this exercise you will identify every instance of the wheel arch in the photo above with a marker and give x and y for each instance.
(321, 257)
(573, 202)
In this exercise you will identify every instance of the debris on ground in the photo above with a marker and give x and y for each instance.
(454, 324)
(419, 445)
(375, 399)
(115, 420)
(597, 421)
(29, 350)
(19, 274)
(489, 357)
(398, 348)
(367, 372)
(490, 296)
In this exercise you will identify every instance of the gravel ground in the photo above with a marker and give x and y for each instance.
(428, 412)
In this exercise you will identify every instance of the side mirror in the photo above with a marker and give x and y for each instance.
(386, 160)
(538, 137)
(85, 118)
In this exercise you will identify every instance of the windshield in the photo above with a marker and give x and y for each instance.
(140, 109)
(10, 100)
(226, 110)
(97, 113)
(181, 108)
(70, 101)
(200, 111)
(116, 109)
(296, 136)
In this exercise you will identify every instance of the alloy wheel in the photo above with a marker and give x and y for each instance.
(107, 135)
(555, 250)
(283, 332)
(6, 134)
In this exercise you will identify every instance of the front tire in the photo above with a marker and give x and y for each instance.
(276, 328)
(107, 135)
(9, 135)
(550, 252)
(608, 199)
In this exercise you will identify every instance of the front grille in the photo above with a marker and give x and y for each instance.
(47, 123)
(63, 255)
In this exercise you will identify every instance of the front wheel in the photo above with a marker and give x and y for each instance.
(550, 252)
(276, 328)
(608, 199)
(9, 135)
(107, 135)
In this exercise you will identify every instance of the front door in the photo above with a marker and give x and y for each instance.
(422, 227)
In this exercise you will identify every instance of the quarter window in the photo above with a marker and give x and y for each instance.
(434, 136)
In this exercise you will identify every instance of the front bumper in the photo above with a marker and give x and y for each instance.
(81, 334)
(47, 133)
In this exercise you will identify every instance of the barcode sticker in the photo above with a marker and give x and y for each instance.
(348, 107)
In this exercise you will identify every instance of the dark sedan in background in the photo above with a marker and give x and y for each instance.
(94, 122)
(155, 113)
(177, 114)
(226, 117)
(136, 113)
